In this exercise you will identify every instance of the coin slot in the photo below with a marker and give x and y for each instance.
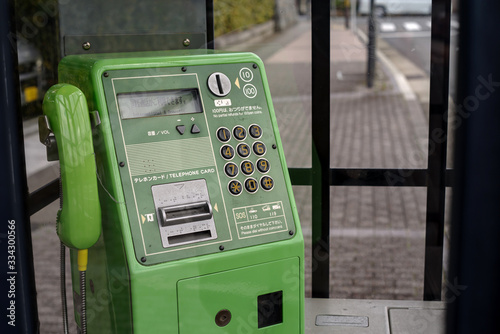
(219, 84)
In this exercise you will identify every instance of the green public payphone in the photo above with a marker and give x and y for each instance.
(200, 232)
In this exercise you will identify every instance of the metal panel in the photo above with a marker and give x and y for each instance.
(128, 43)
(126, 19)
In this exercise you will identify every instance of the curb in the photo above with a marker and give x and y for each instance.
(400, 79)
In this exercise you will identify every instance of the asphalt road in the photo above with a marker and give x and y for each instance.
(411, 36)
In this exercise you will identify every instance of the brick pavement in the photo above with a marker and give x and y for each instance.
(377, 234)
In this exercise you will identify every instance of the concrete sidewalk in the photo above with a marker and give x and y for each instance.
(377, 234)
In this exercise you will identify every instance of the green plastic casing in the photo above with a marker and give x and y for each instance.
(137, 285)
(79, 220)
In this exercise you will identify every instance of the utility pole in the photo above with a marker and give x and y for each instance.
(371, 46)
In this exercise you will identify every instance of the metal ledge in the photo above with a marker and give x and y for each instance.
(374, 316)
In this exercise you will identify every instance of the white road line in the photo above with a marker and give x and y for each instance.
(412, 26)
(407, 34)
(387, 26)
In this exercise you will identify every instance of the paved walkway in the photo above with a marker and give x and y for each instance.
(377, 234)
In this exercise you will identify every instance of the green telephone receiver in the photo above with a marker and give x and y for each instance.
(79, 220)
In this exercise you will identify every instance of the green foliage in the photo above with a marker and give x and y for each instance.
(340, 4)
(237, 15)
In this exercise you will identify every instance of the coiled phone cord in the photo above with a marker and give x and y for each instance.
(82, 267)
(83, 319)
(63, 288)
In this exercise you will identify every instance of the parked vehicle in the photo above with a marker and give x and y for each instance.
(396, 7)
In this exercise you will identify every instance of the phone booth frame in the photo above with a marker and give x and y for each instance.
(474, 53)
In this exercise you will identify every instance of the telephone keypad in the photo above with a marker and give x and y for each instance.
(246, 165)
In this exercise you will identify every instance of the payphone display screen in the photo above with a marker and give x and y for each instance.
(159, 103)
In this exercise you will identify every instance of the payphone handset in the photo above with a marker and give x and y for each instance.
(195, 196)
(79, 220)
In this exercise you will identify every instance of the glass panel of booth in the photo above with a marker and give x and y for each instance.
(377, 234)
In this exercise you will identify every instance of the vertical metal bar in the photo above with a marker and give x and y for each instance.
(474, 275)
(370, 73)
(18, 307)
(438, 117)
(320, 10)
(210, 24)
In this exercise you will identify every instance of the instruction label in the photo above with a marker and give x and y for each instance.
(262, 219)
(173, 175)
(237, 111)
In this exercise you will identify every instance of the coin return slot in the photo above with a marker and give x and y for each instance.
(185, 213)
(189, 237)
